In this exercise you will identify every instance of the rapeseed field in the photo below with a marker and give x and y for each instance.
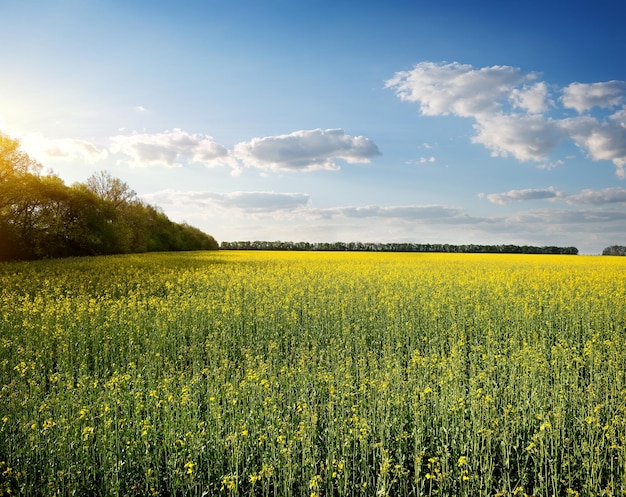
(313, 374)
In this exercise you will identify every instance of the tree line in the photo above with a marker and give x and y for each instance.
(41, 217)
(615, 250)
(397, 247)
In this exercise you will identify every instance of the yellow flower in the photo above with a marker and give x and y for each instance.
(254, 478)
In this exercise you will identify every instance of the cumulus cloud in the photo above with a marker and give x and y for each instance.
(604, 140)
(533, 99)
(65, 148)
(521, 195)
(453, 88)
(527, 137)
(306, 150)
(583, 97)
(170, 149)
(510, 109)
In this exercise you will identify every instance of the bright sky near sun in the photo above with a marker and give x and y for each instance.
(313, 120)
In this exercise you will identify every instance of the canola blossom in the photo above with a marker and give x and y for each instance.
(317, 374)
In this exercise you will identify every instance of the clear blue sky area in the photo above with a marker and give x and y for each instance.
(311, 120)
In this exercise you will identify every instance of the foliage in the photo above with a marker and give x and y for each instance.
(398, 247)
(614, 250)
(258, 373)
(41, 217)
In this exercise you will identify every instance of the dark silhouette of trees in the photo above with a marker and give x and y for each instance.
(397, 247)
(41, 217)
(614, 250)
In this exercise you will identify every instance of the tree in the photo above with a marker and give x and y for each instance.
(614, 250)
(42, 217)
(18, 198)
(14, 161)
(112, 189)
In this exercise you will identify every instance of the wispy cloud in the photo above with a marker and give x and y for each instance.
(423, 160)
(399, 212)
(614, 195)
(521, 195)
(293, 216)
(70, 149)
(510, 109)
(551, 217)
(250, 202)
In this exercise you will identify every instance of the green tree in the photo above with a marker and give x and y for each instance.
(42, 217)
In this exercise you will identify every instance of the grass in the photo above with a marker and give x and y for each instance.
(317, 374)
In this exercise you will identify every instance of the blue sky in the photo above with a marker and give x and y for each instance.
(314, 120)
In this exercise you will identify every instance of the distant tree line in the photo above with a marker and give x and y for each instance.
(614, 250)
(398, 247)
(41, 217)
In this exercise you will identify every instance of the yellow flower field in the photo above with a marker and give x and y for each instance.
(317, 374)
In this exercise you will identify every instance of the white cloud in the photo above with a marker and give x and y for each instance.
(549, 165)
(527, 138)
(528, 134)
(585, 197)
(583, 97)
(521, 195)
(306, 150)
(453, 88)
(398, 212)
(170, 149)
(250, 202)
(533, 99)
(423, 160)
(598, 197)
(70, 149)
(602, 140)
(553, 217)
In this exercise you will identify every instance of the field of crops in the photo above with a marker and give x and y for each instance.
(317, 374)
